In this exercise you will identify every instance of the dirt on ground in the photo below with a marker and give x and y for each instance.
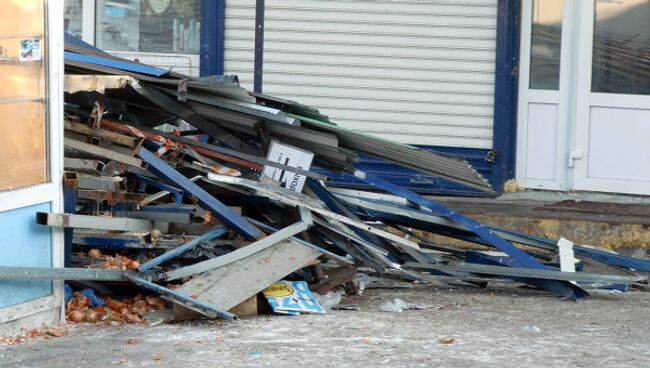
(501, 326)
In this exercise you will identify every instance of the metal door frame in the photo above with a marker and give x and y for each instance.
(559, 97)
(52, 191)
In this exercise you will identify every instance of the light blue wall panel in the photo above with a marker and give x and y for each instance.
(23, 243)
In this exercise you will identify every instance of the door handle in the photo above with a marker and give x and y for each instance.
(574, 155)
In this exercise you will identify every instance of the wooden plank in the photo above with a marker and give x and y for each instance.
(228, 286)
(246, 308)
(334, 278)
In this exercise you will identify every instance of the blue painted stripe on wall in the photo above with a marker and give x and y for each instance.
(24, 244)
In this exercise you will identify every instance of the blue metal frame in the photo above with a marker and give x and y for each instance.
(182, 299)
(144, 181)
(213, 20)
(226, 215)
(169, 255)
(69, 206)
(116, 64)
(505, 93)
(414, 180)
(612, 259)
(519, 257)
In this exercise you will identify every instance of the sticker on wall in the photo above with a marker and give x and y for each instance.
(30, 49)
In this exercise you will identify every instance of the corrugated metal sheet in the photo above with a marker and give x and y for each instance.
(419, 72)
(415, 180)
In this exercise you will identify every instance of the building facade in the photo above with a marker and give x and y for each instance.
(31, 144)
(584, 96)
(553, 93)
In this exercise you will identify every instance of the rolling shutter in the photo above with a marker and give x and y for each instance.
(419, 72)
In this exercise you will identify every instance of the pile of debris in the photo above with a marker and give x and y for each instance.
(196, 190)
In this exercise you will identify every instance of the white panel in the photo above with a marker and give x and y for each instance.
(541, 141)
(419, 72)
(620, 141)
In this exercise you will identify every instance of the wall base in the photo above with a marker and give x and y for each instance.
(45, 318)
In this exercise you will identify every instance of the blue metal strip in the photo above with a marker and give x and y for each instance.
(611, 259)
(69, 206)
(71, 40)
(108, 242)
(213, 20)
(221, 211)
(167, 256)
(414, 180)
(177, 193)
(336, 206)
(505, 93)
(116, 64)
(519, 257)
(182, 299)
(557, 287)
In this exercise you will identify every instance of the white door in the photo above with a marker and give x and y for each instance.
(612, 135)
(543, 88)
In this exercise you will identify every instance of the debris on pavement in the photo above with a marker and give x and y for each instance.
(80, 309)
(398, 305)
(196, 195)
(34, 334)
(331, 300)
(531, 329)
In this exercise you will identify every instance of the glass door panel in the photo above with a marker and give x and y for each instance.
(613, 104)
(541, 118)
(23, 123)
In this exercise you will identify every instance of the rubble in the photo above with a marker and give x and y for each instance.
(199, 192)
(34, 334)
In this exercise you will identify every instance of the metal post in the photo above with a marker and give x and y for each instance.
(47, 273)
(259, 46)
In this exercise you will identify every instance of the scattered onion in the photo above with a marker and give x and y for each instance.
(92, 316)
(76, 316)
(133, 265)
(95, 253)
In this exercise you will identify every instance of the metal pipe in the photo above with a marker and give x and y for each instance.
(258, 79)
(48, 273)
